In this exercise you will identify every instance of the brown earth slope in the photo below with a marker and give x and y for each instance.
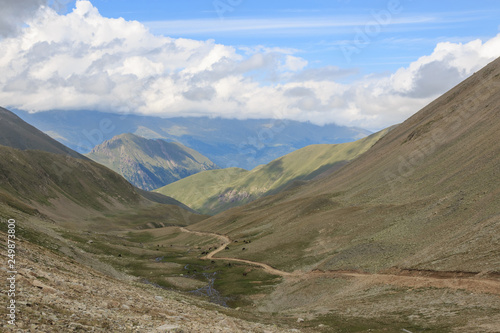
(404, 238)
(426, 196)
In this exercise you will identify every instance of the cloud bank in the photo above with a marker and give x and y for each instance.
(14, 13)
(85, 61)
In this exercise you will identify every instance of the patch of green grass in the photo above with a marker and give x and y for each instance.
(35, 237)
(281, 255)
(17, 205)
(74, 237)
(140, 237)
(240, 281)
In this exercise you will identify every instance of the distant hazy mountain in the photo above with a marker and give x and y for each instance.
(149, 164)
(211, 192)
(228, 143)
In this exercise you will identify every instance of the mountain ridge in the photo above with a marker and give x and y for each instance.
(149, 164)
(211, 192)
(226, 142)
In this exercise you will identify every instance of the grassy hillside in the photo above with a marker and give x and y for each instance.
(70, 189)
(404, 238)
(41, 177)
(425, 197)
(211, 192)
(149, 164)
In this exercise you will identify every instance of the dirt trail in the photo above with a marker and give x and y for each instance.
(404, 278)
(472, 284)
(228, 241)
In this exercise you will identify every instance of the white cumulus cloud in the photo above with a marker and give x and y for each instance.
(83, 60)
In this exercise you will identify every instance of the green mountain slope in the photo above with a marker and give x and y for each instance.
(211, 192)
(40, 177)
(149, 164)
(425, 197)
(200, 188)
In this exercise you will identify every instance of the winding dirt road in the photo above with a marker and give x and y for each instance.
(404, 278)
(227, 241)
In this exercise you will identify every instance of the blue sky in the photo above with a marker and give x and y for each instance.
(318, 28)
(369, 64)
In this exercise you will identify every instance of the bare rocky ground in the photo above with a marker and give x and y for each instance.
(57, 294)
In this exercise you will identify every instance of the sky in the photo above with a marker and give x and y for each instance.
(368, 64)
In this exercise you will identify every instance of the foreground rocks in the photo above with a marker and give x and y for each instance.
(56, 294)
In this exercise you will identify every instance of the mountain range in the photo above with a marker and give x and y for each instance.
(16, 133)
(226, 142)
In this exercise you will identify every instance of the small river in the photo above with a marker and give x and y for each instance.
(209, 290)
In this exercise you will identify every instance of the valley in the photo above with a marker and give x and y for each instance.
(214, 191)
(232, 166)
(397, 231)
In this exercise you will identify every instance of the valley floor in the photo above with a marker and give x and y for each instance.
(56, 294)
(59, 292)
